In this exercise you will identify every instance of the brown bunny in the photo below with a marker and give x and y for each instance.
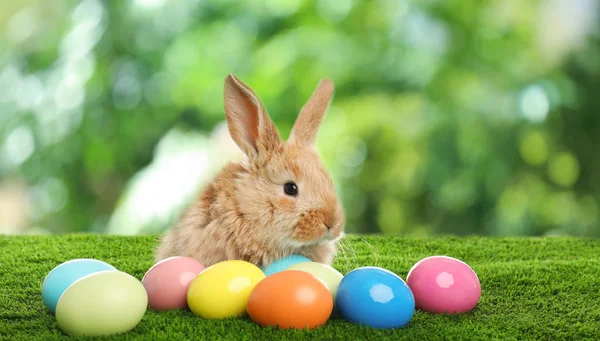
(279, 201)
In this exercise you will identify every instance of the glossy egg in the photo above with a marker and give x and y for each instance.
(167, 282)
(375, 297)
(326, 273)
(444, 284)
(102, 303)
(284, 263)
(63, 275)
(290, 299)
(222, 290)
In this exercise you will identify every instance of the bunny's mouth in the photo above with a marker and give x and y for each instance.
(326, 237)
(315, 227)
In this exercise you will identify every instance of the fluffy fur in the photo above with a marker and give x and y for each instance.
(244, 212)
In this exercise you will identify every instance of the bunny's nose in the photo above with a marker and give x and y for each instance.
(330, 221)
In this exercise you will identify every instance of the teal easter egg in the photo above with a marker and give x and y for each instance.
(63, 275)
(283, 264)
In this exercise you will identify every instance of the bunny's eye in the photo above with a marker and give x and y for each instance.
(290, 189)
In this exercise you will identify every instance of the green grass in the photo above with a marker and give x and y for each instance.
(532, 288)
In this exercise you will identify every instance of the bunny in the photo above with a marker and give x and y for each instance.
(278, 201)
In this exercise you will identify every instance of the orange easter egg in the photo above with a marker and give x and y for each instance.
(290, 299)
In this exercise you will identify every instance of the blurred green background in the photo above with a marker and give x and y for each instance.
(450, 117)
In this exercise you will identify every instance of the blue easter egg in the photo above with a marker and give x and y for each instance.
(65, 274)
(375, 297)
(284, 263)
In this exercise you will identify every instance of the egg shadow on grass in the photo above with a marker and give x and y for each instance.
(445, 316)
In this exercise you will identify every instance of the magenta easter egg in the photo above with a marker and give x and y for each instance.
(444, 285)
(167, 282)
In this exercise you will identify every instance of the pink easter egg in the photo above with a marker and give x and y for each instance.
(444, 284)
(167, 282)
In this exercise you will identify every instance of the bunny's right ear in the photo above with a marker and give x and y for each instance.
(247, 120)
(307, 124)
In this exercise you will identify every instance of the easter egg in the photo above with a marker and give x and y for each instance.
(63, 275)
(326, 273)
(222, 290)
(444, 284)
(102, 303)
(284, 263)
(167, 282)
(375, 297)
(290, 299)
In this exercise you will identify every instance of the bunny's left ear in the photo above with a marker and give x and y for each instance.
(247, 120)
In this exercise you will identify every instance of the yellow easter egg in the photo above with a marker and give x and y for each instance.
(222, 290)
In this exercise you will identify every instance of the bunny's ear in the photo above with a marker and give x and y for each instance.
(247, 120)
(307, 124)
